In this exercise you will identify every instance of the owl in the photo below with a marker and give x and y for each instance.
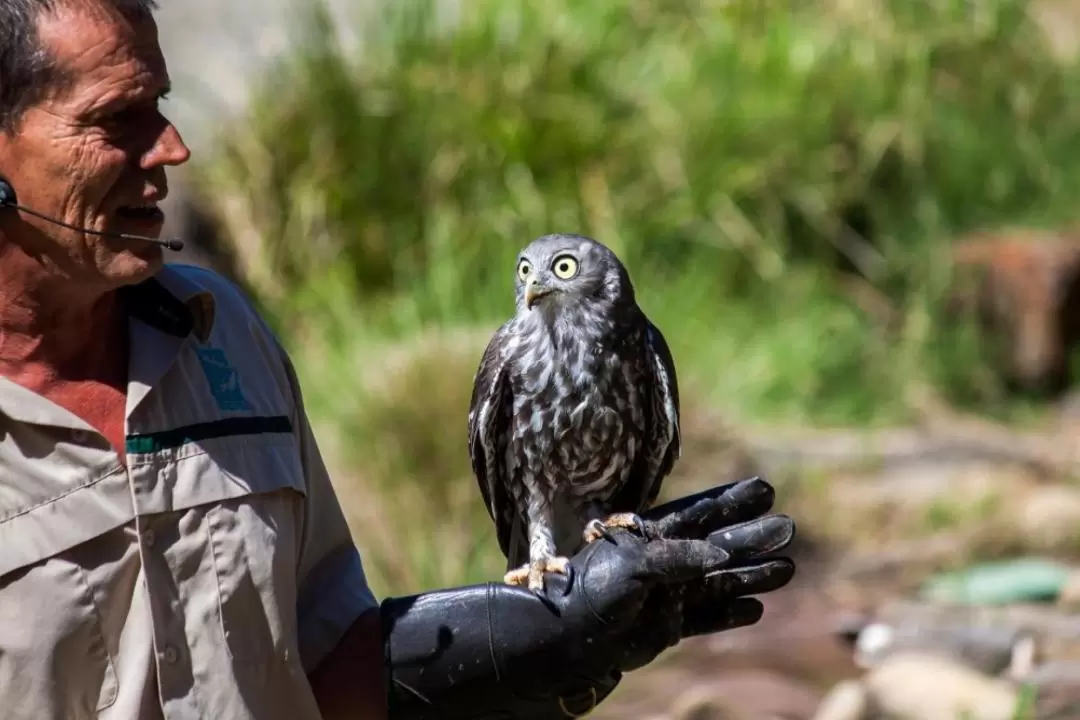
(574, 417)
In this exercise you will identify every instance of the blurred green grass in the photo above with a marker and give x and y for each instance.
(737, 155)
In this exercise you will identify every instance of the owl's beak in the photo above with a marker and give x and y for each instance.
(534, 290)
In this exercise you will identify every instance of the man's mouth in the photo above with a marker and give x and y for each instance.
(141, 212)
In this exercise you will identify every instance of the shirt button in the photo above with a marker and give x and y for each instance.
(170, 654)
(148, 537)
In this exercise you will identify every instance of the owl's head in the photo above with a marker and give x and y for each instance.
(561, 270)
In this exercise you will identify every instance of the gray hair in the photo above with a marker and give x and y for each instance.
(27, 70)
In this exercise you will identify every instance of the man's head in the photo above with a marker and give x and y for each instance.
(81, 136)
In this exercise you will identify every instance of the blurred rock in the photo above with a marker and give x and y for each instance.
(1023, 286)
(988, 649)
(1054, 633)
(915, 686)
(848, 700)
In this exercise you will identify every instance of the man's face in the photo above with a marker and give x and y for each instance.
(93, 153)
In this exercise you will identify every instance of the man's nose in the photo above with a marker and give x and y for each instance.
(168, 149)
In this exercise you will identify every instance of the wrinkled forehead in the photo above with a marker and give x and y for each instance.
(97, 43)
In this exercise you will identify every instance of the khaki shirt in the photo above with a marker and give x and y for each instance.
(207, 578)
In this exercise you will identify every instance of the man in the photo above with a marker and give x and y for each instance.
(170, 543)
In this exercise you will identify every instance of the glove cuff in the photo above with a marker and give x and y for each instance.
(487, 652)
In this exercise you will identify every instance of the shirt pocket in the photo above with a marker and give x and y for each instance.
(254, 532)
(56, 658)
(54, 661)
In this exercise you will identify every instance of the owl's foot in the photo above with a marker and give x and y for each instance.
(596, 529)
(532, 573)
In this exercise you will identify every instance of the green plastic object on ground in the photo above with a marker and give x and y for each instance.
(997, 583)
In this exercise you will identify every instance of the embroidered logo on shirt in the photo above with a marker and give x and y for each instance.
(223, 379)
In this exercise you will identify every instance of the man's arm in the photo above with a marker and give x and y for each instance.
(350, 683)
(338, 615)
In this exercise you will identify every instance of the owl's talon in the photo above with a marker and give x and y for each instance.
(531, 574)
(596, 529)
(518, 576)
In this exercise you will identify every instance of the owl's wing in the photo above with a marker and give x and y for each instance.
(489, 427)
(665, 397)
(663, 443)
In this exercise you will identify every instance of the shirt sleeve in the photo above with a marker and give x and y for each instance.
(332, 587)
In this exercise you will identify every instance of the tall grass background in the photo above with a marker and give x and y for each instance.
(762, 168)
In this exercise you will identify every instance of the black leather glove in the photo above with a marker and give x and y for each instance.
(496, 651)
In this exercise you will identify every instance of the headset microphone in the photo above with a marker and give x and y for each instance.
(7, 199)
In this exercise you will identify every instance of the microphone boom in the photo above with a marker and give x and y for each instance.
(7, 199)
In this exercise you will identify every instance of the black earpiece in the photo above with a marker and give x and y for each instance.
(9, 199)
(7, 193)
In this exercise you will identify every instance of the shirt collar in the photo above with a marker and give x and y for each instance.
(167, 303)
(172, 304)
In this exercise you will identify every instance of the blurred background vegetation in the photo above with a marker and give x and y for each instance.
(762, 167)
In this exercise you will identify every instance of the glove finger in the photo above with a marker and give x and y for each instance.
(697, 515)
(678, 561)
(763, 577)
(755, 538)
(704, 620)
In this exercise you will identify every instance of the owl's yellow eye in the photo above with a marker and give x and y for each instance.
(564, 267)
(524, 268)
